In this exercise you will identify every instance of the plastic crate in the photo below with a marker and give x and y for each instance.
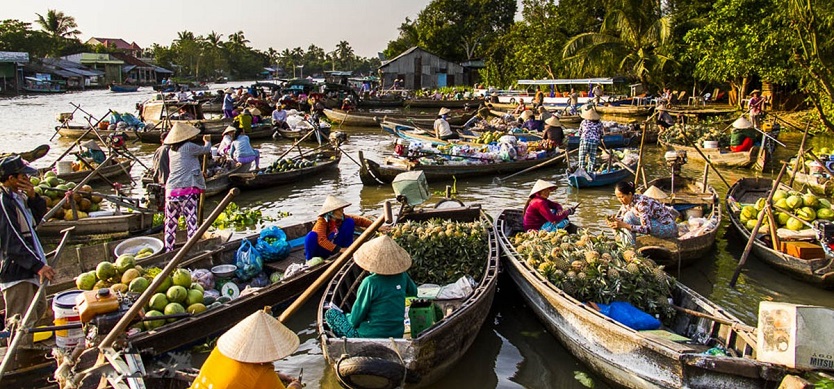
(423, 314)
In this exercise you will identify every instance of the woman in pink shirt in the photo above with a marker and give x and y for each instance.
(543, 214)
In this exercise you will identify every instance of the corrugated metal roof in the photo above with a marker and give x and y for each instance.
(13, 56)
(162, 70)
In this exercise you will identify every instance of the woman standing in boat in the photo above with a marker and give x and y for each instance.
(380, 300)
(540, 213)
(641, 214)
(756, 106)
(228, 103)
(590, 132)
(185, 180)
(333, 231)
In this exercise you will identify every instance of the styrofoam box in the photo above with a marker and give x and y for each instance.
(797, 336)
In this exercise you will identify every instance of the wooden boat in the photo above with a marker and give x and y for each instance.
(259, 179)
(430, 103)
(31, 155)
(37, 85)
(821, 185)
(690, 199)
(612, 140)
(102, 227)
(373, 173)
(625, 110)
(602, 179)
(73, 131)
(434, 351)
(815, 271)
(721, 157)
(467, 137)
(638, 359)
(166, 112)
(220, 182)
(259, 132)
(380, 103)
(371, 119)
(121, 88)
(114, 169)
(702, 111)
(299, 126)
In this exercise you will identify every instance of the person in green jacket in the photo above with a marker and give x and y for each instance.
(379, 309)
(93, 151)
(743, 136)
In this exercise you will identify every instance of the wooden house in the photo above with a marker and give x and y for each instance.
(417, 68)
(11, 71)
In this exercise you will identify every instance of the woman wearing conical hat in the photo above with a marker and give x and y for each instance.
(333, 231)
(642, 214)
(756, 106)
(93, 151)
(380, 300)
(554, 131)
(244, 355)
(590, 133)
(540, 213)
(743, 136)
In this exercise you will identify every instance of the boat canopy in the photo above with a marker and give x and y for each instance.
(572, 81)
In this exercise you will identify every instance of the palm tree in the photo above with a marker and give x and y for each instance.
(214, 41)
(237, 39)
(57, 24)
(634, 38)
(344, 51)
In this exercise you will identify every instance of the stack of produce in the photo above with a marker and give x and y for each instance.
(83, 198)
(807, 207)
(285, 165)
(240, 218)
(442, 251)
(597, 269)
(489, 137)
(697, 133)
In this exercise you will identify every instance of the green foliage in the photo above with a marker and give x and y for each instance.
(16, 35)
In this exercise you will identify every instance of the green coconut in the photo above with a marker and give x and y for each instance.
(794, 202)
(779, 194)
(158, 301)
(85, 281)
(794, 225)
(825, 213)
(154, 324)
(809, 200)
(806, 213)
(105, 270)
(182, 278)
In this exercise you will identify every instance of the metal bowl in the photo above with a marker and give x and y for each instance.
(133, 245)
(223, 271)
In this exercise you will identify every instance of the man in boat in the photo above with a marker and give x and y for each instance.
(279, 117)
(22, 263)
(333, 231)
(244, 355)
(93, 151)
(743, 135)
(756, 106)
(521, 107)
(574, 101)
(442, 129)
(664, 120)
(538, 100)
(493, 98)
(597, 91)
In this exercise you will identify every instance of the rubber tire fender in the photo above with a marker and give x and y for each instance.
(370, 366)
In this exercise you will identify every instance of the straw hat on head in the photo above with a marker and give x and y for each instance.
(229, 90)
(540, 186)
(181, 132)
(259, 338)
(91, 144)
(742, 123)
(444, 111)
(527, 114)
(553, 121)
(655, 193)
(255, 111)
(382, 255)
(661, 107)
(332, 203)
(590, 114)
(755, 91)
(229, 130)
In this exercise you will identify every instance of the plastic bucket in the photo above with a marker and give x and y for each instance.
(64, 167)
(63, 306)
(710, 144)
(694, 212)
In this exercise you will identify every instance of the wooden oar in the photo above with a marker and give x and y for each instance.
(30, 312)
(498, 180)
(307, 135)
(331, 270)
(755, 230)
(343, 119)
(640, 153)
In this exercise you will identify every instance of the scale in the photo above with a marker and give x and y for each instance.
(223, 275)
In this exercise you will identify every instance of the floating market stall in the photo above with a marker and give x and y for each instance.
(285, 171)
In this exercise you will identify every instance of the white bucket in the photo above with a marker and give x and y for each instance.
(710, 144)
(64, 167)
(63, 306)
(694, 212)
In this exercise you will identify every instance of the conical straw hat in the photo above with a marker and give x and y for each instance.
(91, 144)
(527, 114)
(742, 123)
(444, 111)
(553, 121)
(540, 186)
(590, 114)
(655, 193)
(382, 255)
(229, 130)
(259, 338)
(181, 132)
(229, 90)
(332, 203)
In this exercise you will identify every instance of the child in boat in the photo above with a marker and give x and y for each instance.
(543, 214)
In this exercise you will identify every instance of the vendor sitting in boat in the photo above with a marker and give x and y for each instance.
(743, 135)
(93, 151)
(226, 142)
(242, 152)
(540, 213)
(554, 131)
(380, 300)
(529, 122)
(333, 231)
(244, 355)
(640, 213)
(442, 129)
(243, 121)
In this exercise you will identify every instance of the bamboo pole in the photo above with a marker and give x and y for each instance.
(640, 152)
(800, 154)
(80, 184)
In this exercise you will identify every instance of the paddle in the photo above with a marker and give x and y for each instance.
(343, 119)
(307, 135)
(640, 153)
(498, 180)
(755, 230)
(30, 312)
(331, 270)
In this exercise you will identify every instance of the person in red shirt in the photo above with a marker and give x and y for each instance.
(333, 231)
(543, 214)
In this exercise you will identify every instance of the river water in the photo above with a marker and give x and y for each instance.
(512, 349)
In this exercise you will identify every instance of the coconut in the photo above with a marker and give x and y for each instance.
(779, 195)
(153, 324)
(794, 225)
(105, 270)
(810, 200)
(825, 213)
(806, 213)
(794, 202)
(125, 262)
(182, 277)
(85, 281)
(138, 285)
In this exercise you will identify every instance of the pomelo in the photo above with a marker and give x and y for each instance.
(194, 297)
(130, 275)
(153, 324)
(105, 270)
(85, 281)
(173, 309)
(120, 288)
(182, 277)
(166, 284)
(124, 262)
(197, 286)
(196, 308)
(177, 294)
(158, 301)
(138, 285)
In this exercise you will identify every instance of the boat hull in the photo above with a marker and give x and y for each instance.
(253, 180)
(718, 157)
(601, 179)
(97, 227)
(76, 132)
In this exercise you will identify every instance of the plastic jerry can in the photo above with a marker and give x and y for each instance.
(95, 302)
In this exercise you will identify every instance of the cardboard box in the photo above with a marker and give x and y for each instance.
(796, 336)
(804, 250)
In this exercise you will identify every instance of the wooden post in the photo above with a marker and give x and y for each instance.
(640, 152)
(799, 154)
(773, 226)
(706, 174)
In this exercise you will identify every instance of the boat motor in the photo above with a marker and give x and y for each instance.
(675, 160)
(117, 140)
(825, 234)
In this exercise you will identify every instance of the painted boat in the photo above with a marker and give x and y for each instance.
(815, 271)
(430, 355)
(371, 119)
(636, 359)
(76, 131)
(821, 185)
(121, 88)
(373, 173)
(617, 140)
(602, 179)
(467, 137)
(721, 157)
(689, 198)
(259, 132)
(429, 103)
(324, 162)
(31, 155)
(96, 228)
(114, 169)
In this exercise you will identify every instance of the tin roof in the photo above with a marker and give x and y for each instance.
(13, 56)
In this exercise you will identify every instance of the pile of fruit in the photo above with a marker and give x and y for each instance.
(443, 251)
(544, 144)
(597, 269)
(285, 165)
(807, 207)
(78, 166)
(83, 198)
(697, 133)
(489, 137)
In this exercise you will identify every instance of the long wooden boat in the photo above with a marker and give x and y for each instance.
(102, 227)
(220, 182)
(636, 359)
(625, 110)
(721, 157)
(373, 173)
(114, 169)
(260, 179)
(259, 132)
(415, 133)
(122, 88)
(380, 103)
(431, 354)
(690, 199)
(617, 140)
(815, 271)
(31, 155)
(821, 185)
(429, 103)
(76, 131)
(371, 119)
(602, 179)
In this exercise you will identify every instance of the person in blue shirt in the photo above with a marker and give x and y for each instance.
(228, 104)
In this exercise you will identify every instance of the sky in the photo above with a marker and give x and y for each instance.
(367, 25)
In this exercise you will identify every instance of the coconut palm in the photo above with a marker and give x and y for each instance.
(238, 39)
(634, 38)
(57, 24)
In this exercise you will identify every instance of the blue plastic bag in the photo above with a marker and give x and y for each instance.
(272, 244)
(248, 261)
(629, 316)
